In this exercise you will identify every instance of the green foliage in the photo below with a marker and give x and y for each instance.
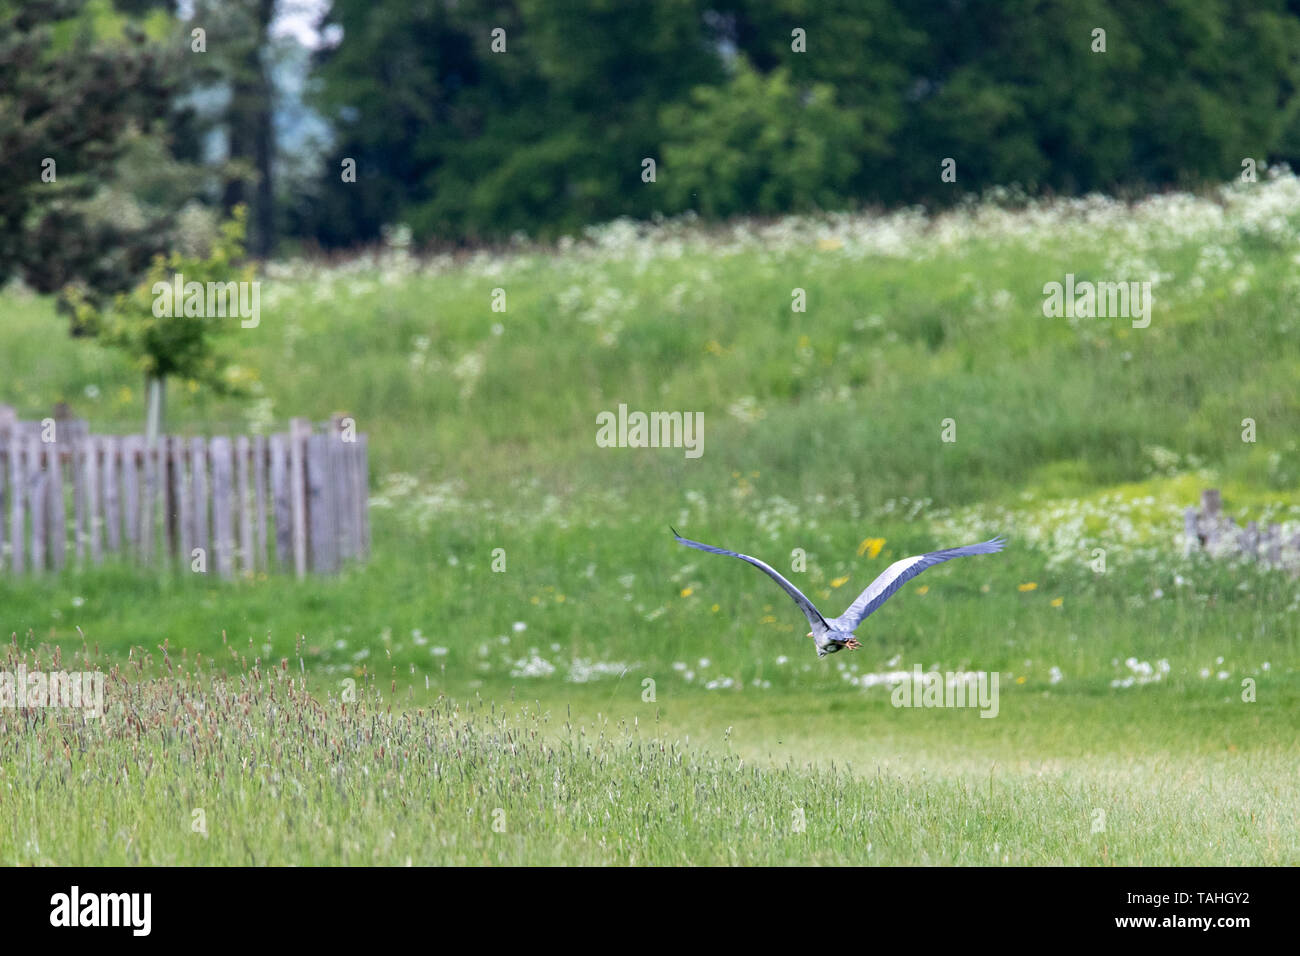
(759, 144)
(1022, 97)
(78, 88)
(188, 347)
(460, 142)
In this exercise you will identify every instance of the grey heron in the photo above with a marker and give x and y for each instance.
(836, 633)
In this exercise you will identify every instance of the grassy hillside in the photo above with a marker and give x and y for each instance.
(822, 432)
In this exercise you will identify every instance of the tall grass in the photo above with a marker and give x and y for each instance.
(241, 765)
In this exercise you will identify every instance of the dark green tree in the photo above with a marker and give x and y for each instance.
(72, 104)
(459, 140)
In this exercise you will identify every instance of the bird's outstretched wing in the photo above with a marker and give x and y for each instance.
(809, 611)
(898, 574)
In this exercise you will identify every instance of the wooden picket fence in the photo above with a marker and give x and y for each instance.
(295, 501)
(1210, 530)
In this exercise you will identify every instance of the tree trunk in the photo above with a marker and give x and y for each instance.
(156, 408)
(251, 136)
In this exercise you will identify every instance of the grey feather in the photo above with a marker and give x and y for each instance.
(899, 573)
(809, 609)
(836, 634)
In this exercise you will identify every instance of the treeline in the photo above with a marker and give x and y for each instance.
(769, 106)
(475, 119)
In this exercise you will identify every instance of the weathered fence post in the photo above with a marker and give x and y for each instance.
(320, 533)
(223, 524)
(243, 505)
(111, 448)
(260, 452)
(170, 480)
(8, 423)
(58, 509)
(184, 546)
(341, 453)
(150, 469)
(94, 522)
(37, 483)
(299, 432)
(199, 498)
(17, 502)
(130, 450)
(281, 499)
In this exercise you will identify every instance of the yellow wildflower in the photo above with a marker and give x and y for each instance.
(1029, 586)
(838, 582)
(871, 547)
(687, 592)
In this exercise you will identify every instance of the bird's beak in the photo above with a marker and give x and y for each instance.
(809, 634)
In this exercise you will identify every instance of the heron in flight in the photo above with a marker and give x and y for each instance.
(837, 633)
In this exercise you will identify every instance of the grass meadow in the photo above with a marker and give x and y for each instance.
(611, 697)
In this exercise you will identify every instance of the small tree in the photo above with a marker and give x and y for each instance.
(761, 144)
(171, 343)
